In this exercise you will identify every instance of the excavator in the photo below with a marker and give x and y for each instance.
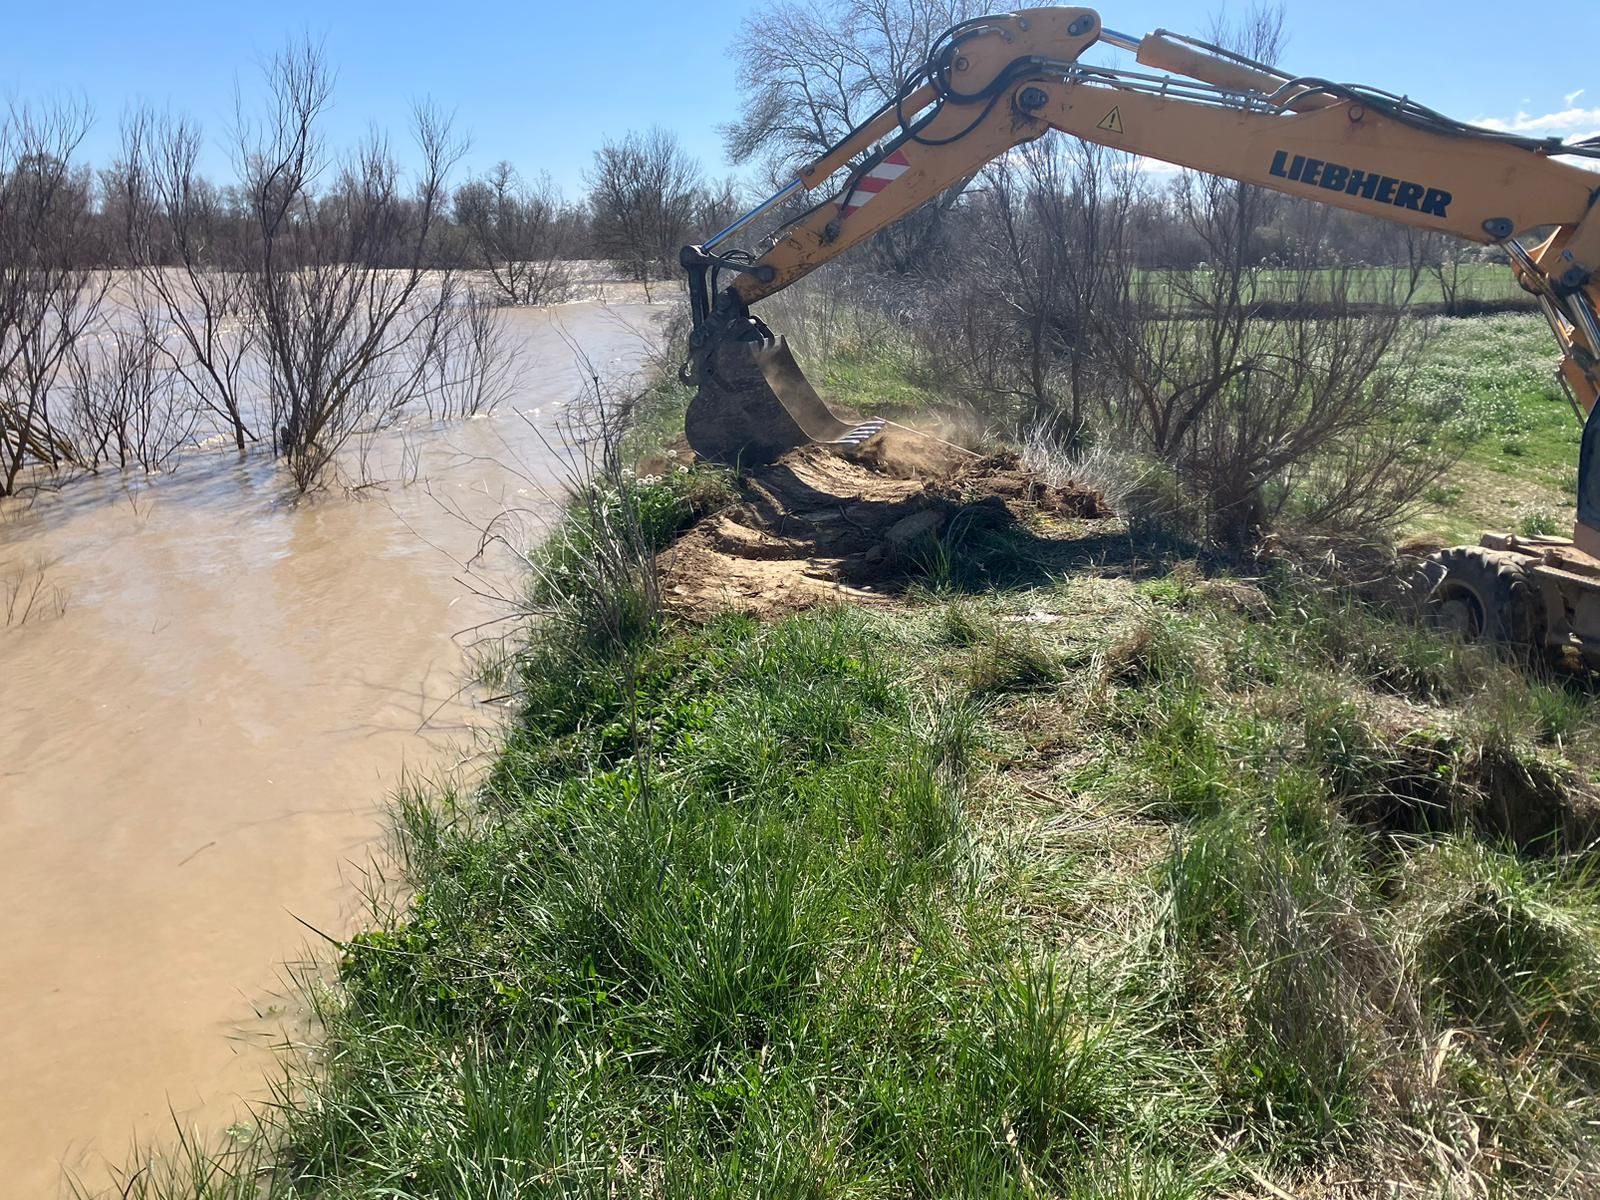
(995, 82)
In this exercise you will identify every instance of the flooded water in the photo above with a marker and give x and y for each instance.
(200, 720)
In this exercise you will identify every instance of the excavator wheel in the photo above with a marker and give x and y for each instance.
(1482, 595)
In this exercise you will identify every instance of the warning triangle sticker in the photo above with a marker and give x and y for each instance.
(1111, 121)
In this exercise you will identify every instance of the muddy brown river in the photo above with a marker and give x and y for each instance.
(200, 721)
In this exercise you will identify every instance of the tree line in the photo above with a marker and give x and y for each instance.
(644, 197)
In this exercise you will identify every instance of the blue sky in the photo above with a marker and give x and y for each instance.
(541, 83)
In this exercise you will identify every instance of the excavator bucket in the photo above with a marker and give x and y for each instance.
(755, 404)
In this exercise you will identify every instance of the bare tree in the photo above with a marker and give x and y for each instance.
(128, 405)
(1044, 238)
(338, 280)
(516, 233)
(717, 206)
(644, 192)
(1447, 261)
(188, 252)
(1259, 374)
(48, 293)
(812, 70)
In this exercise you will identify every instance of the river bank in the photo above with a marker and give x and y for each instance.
(1055, 865)
(213, 691)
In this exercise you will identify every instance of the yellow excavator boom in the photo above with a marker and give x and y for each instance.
(996, 82)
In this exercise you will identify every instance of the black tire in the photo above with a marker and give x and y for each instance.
(1483, 595)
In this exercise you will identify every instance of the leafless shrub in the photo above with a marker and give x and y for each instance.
(57, 312)
(48, 296)
(459, 363)
(1448, 263)
(26, 593)
(337, 284)
(1254, 378)
(1366, 480)
(1045, 239)
(517, 234)
(128, 405)
(188, 252)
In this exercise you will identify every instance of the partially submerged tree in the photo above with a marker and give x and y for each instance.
(456, 362)
(190, 253)
(516, 233)
(644, 195)
(128, 407)
(49, 293)
(339, 280)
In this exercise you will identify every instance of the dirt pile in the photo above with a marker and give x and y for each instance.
(818, 526)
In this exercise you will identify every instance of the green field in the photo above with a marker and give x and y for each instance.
(1490, 382)
(1477, 283)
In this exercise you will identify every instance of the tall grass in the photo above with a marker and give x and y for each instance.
(1176, 888)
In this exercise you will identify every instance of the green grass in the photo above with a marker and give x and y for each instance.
(1490, 383)
(1089, 888)
(1476, 283)
(884, 380)
(657, 418)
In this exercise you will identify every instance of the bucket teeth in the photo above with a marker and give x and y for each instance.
(755, 404)
(859, 434)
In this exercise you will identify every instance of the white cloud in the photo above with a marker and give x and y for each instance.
(1571, 98)
(1571, 123)
(1156, 166)
(1588, 164)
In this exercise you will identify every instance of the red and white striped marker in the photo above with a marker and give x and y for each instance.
(874, 181)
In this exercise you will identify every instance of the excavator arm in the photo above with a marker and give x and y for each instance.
(996, 82)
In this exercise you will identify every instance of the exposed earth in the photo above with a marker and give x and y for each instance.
(819, 526)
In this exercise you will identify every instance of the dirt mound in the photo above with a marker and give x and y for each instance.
(818, 526)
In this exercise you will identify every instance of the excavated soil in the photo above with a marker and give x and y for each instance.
(818, 526)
